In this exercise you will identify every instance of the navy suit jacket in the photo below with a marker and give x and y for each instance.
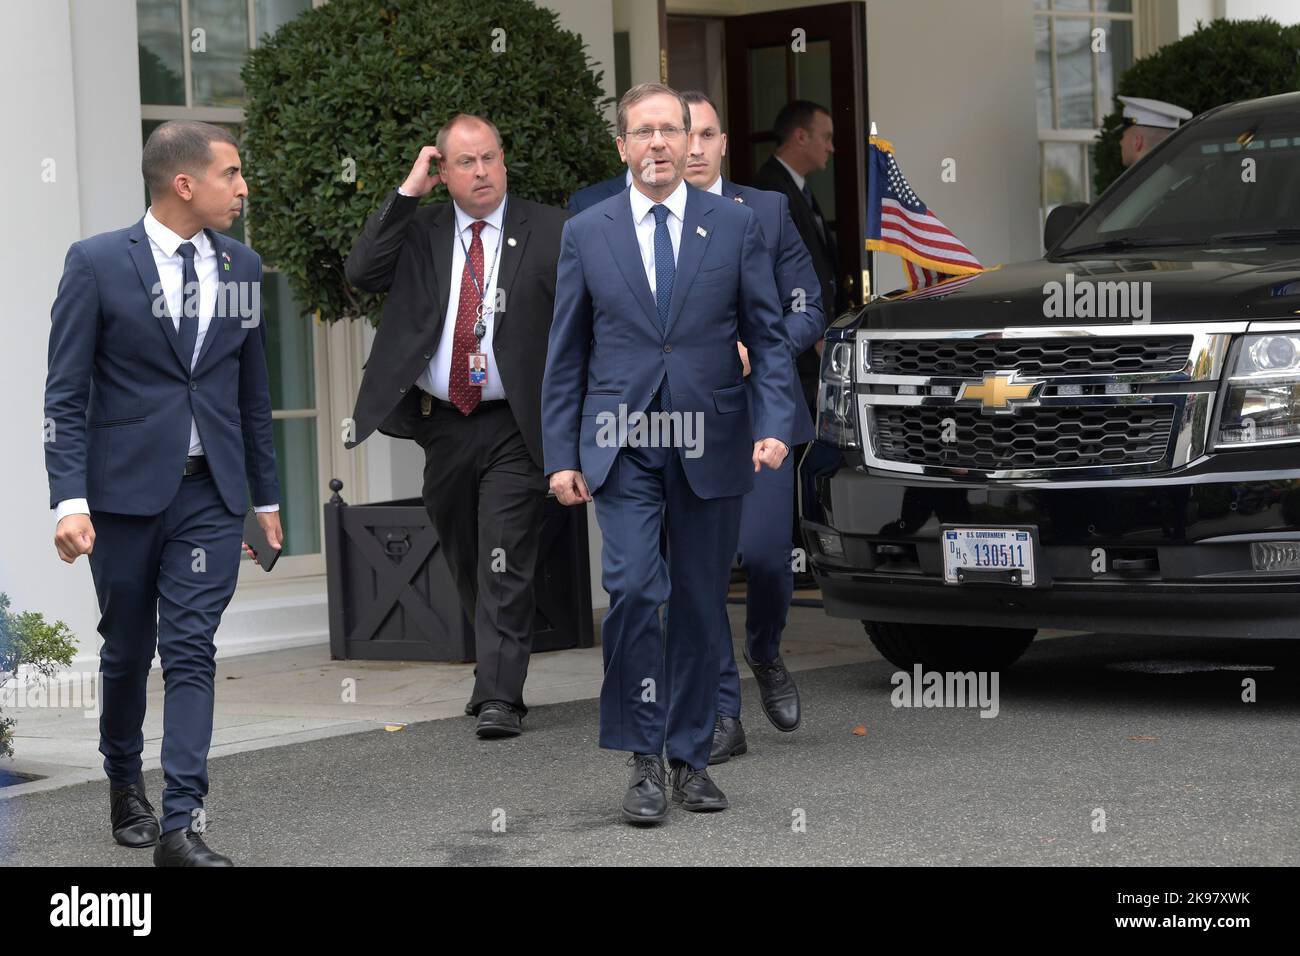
(119, 394)
(607, 348)
(794, 271)
(588, 196)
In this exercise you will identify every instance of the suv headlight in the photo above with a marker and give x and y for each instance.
(837, 414)
(1262, 403)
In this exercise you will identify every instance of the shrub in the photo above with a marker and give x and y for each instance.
(1222, 62)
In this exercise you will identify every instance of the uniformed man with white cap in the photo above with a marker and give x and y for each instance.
(1146, 123)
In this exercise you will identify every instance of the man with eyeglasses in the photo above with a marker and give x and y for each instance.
(456, 366)
(655, 287)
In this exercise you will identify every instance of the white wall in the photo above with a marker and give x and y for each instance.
(1285, 12)
(969, 98)
(640, 18)
(593, 20)
(55, 59)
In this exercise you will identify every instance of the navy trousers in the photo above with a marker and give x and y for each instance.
(163, 581)
(660, 688)
(765, 554)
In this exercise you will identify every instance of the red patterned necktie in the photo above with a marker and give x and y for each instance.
(464, 395)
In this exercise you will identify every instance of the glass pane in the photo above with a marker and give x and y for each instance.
(1040, 4)
(273, 14)
(225, 46)
(812, 76)
(1062, 174)
(767, 85)
(295, 463)
(162, 58)
(1071, 5)
(1043, 70)
(1117, 58)
(289, 359)
(1115, 6)
(1074, 73)
(762, 151)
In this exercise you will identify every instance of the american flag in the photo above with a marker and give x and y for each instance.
(898, 222)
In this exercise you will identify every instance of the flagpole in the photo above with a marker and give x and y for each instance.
(871, 257)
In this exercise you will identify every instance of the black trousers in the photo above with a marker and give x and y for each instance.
(485, 496)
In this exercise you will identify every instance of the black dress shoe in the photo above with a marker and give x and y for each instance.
(728, 740)
(496, 718)
(134, 822)
(696, 791)
(184, 847)
(780, 696)
(645, 801)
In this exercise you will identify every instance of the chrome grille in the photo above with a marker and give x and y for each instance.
(1067, 437)
(1102, 400)
(1103, 355)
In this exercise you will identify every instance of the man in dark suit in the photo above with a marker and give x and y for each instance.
(768, 510)
(158, 419)
(655, 287)
(588, 196)
(805, 133)
(457, 367)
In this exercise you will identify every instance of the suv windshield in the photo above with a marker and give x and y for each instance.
(1223, 179)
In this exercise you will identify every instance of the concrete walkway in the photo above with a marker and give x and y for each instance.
(287, 697)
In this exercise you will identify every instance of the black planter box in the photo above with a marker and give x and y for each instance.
(391, 596)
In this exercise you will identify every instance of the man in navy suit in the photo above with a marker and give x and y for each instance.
(768, 509)
(588, 196)
(655, 287)
(158, 430)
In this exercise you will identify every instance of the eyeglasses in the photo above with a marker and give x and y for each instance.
(643, 134)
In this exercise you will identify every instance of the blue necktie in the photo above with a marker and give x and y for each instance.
(665, 270)
(188, 333)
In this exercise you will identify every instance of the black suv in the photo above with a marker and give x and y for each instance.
(1107, 438)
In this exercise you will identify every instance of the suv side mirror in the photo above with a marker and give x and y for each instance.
(1059, 221)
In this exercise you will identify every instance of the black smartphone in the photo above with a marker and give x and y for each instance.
(255, 538)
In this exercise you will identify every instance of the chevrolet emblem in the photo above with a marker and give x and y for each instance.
(999, 392)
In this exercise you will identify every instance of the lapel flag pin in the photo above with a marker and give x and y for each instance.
(738, 198)
(700, 230)
(226, 263)
(510, 241)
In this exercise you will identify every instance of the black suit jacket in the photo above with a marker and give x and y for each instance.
(407, 252)
(772, 175)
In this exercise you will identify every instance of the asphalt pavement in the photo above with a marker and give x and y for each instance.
(1151, 732)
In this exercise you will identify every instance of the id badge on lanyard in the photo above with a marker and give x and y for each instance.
(478, 364)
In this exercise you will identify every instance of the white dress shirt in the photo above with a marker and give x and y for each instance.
(437, 374)
(798, 180)
(163, 243)
(716, 188)
(644, 220)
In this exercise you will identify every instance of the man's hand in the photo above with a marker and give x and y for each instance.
(570, 487)
(770, 452)
(74, 536)
(270, 522)
(819, 345)
(744, 356)
(424, 174)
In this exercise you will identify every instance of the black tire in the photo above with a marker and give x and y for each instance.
(947, 647)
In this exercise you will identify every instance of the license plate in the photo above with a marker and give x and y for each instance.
(988, 556)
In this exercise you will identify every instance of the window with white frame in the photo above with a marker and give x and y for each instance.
(191, 53)
(1081, 49)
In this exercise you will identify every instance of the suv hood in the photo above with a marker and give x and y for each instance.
(1173, 285)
